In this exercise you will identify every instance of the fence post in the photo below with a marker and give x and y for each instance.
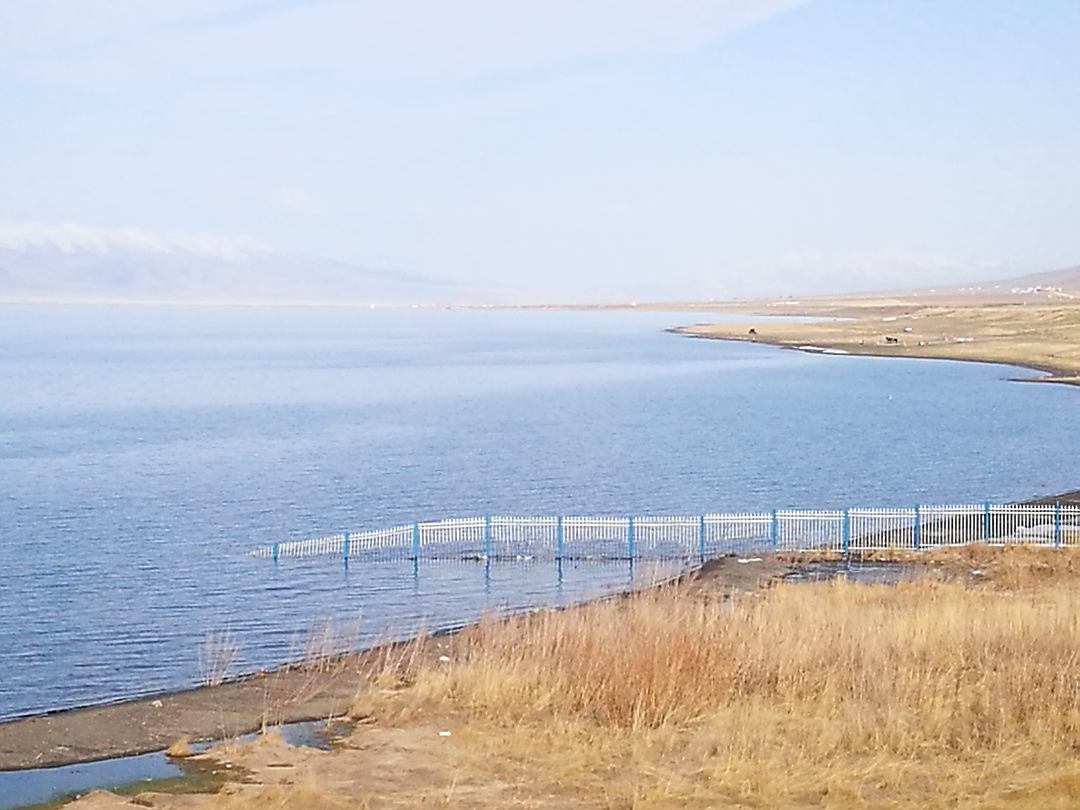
(345, 547)
(986, 521)
(274, 551)
(558, 538)
(1057, 524)
(630, 538)
(847, 531)
(701, 538)
(916, 539)
(487, 537)
(774, 526)
(416, 540)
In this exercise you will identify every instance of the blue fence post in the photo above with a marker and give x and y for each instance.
(345, 547)
(774, 529)
(416, 540)
(487, 537)
(1057, 524)
(847, 531)
(274, 551)
(986, 521)
(558, 539)
(915, 538)
(630, 538)
(701, 538)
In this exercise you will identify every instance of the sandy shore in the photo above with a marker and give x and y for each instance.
(1044, 337)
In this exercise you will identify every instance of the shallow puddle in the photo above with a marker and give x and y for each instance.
(886, 573)
(51, 787)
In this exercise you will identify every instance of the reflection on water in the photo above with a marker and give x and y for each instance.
(44, 784)
(144, 450)
(132, 774)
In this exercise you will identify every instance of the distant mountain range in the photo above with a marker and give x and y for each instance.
(75, 264)
(72, 263)
(1067, 278)
(1044, 286)
(1061, 283)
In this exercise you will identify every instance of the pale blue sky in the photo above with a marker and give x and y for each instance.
(635, 147)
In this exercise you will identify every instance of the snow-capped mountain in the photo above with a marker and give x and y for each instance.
(73, 263)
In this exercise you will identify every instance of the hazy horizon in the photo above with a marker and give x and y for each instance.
(554, 151)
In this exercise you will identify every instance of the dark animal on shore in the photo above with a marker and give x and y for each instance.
(891, 339)
(752, 332)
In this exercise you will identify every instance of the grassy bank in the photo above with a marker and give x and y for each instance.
(1045, 337)
(959, 689)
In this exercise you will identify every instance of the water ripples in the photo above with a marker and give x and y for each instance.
(141, 456)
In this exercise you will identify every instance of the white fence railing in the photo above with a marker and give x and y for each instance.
(502, 537)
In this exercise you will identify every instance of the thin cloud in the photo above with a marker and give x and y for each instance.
(809, 271)
(70, 238)
(410, 38)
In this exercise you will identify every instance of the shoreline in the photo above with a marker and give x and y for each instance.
(491, 721)
(1051, 374)
(297, 692)
(294, 692)
(1041, 338)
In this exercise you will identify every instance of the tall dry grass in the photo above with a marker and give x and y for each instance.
(217, 654)
(920, 693)
(1010, 566)
(924, 662)
(960, 689)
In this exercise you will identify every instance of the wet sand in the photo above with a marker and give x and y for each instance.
(286, 695)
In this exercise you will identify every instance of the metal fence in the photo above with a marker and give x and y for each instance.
(501, 537)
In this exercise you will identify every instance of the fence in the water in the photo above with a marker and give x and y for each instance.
(496, 537)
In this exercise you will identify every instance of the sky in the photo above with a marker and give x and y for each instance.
(575, 148)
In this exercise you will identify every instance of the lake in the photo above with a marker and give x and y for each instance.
(144, 450)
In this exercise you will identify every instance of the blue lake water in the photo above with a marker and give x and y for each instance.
(143, 451)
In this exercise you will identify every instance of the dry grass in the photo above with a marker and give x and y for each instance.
(217, 654)
(180, 749)
(304, 797)
(1008, 567)
(1039, 336)
(324, 654)
(917, 694)
(976, 667)
(948, 691)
